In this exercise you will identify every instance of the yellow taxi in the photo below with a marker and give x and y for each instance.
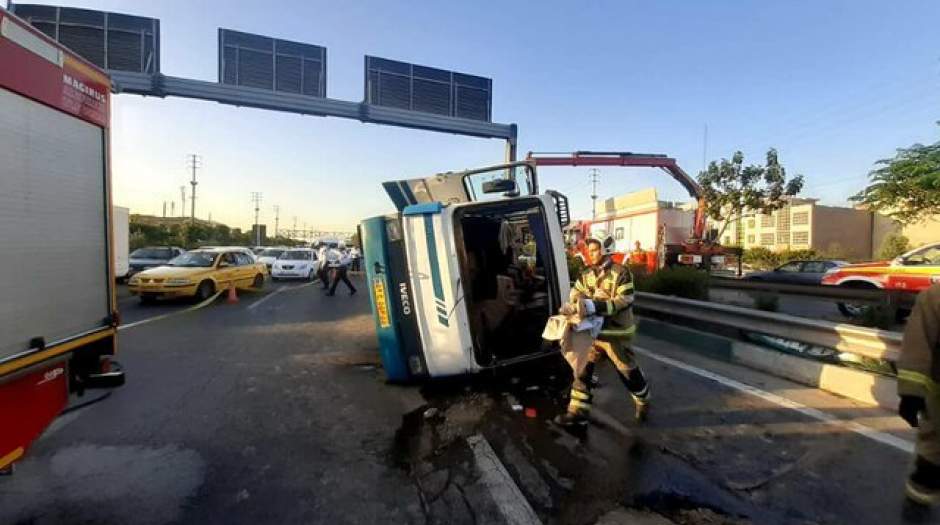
(199, 273)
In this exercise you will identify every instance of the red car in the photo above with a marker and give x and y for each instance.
(914, 271)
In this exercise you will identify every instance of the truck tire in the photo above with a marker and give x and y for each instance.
(205, 290)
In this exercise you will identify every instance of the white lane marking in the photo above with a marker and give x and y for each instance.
(851, 426)
(255, 304)
(170, 314)
(503, 489)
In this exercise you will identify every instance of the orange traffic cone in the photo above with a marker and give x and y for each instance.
(232, 296)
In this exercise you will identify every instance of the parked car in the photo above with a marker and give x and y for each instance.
(199, 273)
(269, 255)
(150, 257)
(797, 272)
(914, 271)
(295, 263)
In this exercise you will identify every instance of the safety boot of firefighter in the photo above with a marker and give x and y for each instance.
(579, 407)
(639, 389)
(923, 485)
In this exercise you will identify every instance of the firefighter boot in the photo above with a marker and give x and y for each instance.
(639, 389)
(923, 485)
(579, 407)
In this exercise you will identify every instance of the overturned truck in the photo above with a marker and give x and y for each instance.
(464, 276)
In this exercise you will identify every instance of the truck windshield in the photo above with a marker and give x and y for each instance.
(151, 253)
(194, 260)
(474, 181)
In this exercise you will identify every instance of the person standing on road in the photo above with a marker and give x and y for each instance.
(605, 289)
(355, 255)
(323, 269)
(340, 266)
(919, 388)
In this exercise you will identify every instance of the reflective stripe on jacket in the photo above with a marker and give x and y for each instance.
(919, 365)
(610, 286)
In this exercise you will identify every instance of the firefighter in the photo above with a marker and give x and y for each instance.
(919, 388)
(605, 289)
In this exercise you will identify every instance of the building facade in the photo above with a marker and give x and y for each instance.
(636, 217)
(804, 224)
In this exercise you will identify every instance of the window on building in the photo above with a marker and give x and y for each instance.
(801, 218)
(750, 239)
(766, 239)
(618, 234)
(767, 221)
(783, 237)
(800, 237)
(751, 223)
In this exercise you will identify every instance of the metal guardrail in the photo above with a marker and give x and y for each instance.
(868, 342)
(832, 293)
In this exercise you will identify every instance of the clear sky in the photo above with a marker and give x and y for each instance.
(834, 85)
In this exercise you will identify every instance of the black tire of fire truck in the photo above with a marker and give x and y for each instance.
(258, 282)
(205, 290)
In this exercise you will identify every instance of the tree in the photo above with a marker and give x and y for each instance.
(730, 188)
(906, 187)
(893, 245)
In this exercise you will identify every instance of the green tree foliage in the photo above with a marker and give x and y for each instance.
(893, 245)
(729, 187)
(906, 187)
(681, 281)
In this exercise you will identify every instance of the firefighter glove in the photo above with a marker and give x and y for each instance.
(588, 307)
(910, 407)
(568, 309)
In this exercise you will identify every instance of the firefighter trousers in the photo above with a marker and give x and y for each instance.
(928, 431)
(623, 358)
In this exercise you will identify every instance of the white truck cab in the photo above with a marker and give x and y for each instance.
(462, 280)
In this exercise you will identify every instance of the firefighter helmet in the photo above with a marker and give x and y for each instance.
(606, 242)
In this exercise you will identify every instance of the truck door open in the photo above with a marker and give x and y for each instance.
(504, 250)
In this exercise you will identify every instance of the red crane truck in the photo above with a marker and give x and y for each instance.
(58, 317)
(697, 250)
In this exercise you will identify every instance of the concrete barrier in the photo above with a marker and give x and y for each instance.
(864, 387)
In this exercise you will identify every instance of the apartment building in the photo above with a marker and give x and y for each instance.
(804, 224)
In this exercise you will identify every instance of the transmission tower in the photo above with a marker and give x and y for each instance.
(594, 174)
(194, 162)
(256, 200)
(277, 218)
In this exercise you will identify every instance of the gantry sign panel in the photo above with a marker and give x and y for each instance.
(402, 85)
(270, 63)
(109, 40)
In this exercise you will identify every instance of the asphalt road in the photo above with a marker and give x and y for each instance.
(274, 410)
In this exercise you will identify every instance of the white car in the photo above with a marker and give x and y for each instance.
(269, 255)
(295, 263)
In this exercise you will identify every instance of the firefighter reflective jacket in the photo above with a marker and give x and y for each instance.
(610, 286)
(919, 365)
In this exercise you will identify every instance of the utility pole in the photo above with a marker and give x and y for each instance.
(594, 174)
(256, 200)
(164, 209)
(183, 201)
(172, 208)
(194, 163)
(277, 218)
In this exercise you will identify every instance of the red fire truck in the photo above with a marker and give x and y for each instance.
(58, 318)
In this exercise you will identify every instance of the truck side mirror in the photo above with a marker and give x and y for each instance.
(500, 186)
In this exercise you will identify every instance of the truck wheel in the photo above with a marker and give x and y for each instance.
(258, 282)
(205, 290)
